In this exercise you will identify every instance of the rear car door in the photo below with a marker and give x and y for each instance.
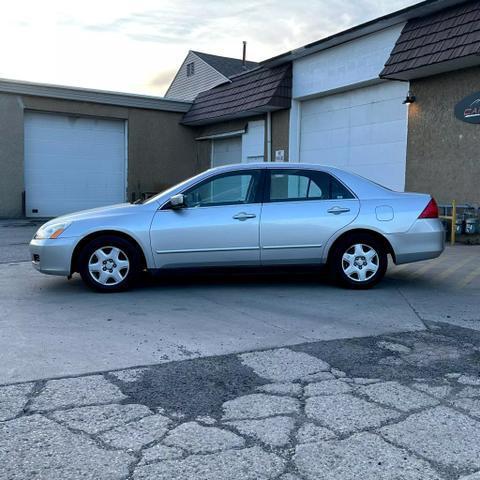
(302, 210)
(218, 226)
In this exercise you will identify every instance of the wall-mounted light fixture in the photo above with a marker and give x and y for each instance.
(409, 99)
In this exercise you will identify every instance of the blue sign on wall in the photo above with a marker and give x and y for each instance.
(468, 109)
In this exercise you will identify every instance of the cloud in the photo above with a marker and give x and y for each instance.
(137, 46)
(162, 80)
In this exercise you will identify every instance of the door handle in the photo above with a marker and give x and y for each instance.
(338, 210)
(242, 216)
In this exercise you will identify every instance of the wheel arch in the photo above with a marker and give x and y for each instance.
(381, 238)
(100, 233)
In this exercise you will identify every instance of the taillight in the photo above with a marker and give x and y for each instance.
(431, 210)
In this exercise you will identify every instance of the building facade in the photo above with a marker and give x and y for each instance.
(244, 120)
(64, 149)
(345, 116)
(396, 100)
(439, 55)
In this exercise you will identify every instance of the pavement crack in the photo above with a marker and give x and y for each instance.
(414, 310)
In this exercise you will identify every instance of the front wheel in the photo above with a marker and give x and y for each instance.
(109, 264)
(359, 261)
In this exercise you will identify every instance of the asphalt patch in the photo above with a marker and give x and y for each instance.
(192, 387)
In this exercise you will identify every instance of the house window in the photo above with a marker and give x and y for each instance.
(190, 69)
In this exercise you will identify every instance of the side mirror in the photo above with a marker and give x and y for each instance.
(177, 201)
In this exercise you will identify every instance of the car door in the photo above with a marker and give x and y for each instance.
(302, 210)
(219, 224)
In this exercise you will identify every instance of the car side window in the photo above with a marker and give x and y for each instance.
(338, 191)
(227, 189)
(295, 185)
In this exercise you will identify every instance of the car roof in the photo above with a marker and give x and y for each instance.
(282, 165)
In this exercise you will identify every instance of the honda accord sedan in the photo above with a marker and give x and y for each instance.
(249, 215)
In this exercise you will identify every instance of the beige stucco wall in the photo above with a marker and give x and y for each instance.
(161, 152)
(11, 156)
(443, 156)
(280, 126)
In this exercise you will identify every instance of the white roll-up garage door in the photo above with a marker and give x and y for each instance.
(362, 130)
(226, 151)
(72, 163)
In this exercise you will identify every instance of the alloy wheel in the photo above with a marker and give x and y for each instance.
(108, 265)
(360, 262)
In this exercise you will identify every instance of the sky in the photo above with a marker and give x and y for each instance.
(138, 45)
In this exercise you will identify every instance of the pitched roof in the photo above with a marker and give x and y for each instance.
(451, 34)
(225, 65)
(256, 91)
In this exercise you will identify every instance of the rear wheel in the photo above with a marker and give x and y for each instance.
(359, 261)
(109, 264)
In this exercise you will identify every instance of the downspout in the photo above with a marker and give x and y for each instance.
(269, 136)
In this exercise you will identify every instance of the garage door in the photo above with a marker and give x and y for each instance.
(362, 130)
(72, 163)
(226, 151)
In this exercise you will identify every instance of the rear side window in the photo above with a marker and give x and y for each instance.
(295, 185)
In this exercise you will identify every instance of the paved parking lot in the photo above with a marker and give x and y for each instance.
(238, 377)
(53, 327)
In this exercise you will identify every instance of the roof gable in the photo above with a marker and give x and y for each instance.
(185, 87)
(225, 65)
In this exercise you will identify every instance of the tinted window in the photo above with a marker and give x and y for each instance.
(291, 185)
(227, 189)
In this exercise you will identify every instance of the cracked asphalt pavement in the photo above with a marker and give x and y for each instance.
(397, 406)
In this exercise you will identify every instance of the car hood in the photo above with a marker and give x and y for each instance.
(100, 212)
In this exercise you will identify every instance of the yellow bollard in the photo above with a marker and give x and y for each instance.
(454, 223)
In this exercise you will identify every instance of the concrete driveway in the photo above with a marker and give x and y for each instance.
(53, 327)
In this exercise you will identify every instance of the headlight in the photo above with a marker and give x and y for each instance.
(52, 230)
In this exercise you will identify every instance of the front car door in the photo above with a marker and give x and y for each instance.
(302, 210)
(219, 224)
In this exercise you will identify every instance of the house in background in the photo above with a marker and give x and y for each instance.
(203, 71)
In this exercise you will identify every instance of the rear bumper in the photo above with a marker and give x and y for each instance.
(52, 256)
(424, 240)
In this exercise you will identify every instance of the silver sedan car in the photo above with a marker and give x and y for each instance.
(252, 215)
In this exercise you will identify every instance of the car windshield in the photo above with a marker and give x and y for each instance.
(155, 197)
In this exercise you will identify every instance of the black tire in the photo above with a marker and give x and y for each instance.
(129, 253)
(346, 245)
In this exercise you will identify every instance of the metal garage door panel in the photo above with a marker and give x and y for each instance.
(226, 151)
(72, 163)
(362, 130)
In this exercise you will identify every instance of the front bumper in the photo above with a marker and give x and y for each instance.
(424, 240)
(53, 256)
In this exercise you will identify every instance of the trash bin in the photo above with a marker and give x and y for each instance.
(459, 226)
(471, 226)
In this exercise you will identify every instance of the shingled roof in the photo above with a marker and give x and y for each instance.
(254, 92)
(427, 42)
(225, 65)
